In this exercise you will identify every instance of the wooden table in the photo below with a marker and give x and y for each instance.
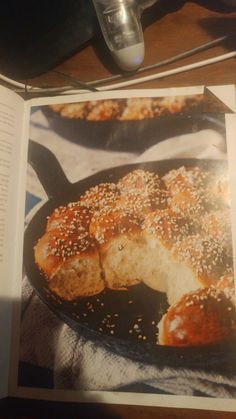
(170, 28)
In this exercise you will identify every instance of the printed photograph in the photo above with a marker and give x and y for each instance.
(128, 280)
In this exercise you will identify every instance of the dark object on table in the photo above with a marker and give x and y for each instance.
(36, 36)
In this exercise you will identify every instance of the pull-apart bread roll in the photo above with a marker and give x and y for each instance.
(118, 236)
(160, 231)
(188, 191)
(140, 182)
(101, 196)
(196, 262)
(64, 215)
(203, 317)
(178, 180)
(68, 256)
(142, 192)
(117, 229)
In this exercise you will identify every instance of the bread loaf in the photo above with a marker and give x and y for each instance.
(68, 255)
(171, 233)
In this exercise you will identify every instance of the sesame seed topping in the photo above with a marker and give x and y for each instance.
(176, 210)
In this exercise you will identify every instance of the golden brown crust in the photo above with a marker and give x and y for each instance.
(167, 226)
(73, 213)
(67, 254)
(115, 234)
(140, 182)
(185, 178)
(47, 262)
(103, 195)
(203, 317)
(188, 193)
(142, 192)
(205, 255)
(105, 226)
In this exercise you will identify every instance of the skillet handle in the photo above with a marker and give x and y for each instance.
(48, 170)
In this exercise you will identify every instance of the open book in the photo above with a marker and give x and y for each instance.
(117, 247)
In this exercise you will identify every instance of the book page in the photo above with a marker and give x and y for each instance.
(11, 119)
(127, 292)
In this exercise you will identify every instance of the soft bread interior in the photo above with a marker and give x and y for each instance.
(78, 277)
(181, 279)
(120, 261)
(154, 263)
(162, 273)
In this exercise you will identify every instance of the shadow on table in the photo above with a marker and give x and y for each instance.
(37, 409)
(221, 6)
(220, 26)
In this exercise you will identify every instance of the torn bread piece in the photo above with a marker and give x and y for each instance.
(118, 236)
(203, 317)
(68, 256)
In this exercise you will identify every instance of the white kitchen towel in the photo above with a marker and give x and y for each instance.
(80, 364)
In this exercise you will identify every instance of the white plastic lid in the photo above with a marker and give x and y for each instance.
(129, 58)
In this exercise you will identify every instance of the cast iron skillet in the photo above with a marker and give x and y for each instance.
(114, 319)
(133, 136)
